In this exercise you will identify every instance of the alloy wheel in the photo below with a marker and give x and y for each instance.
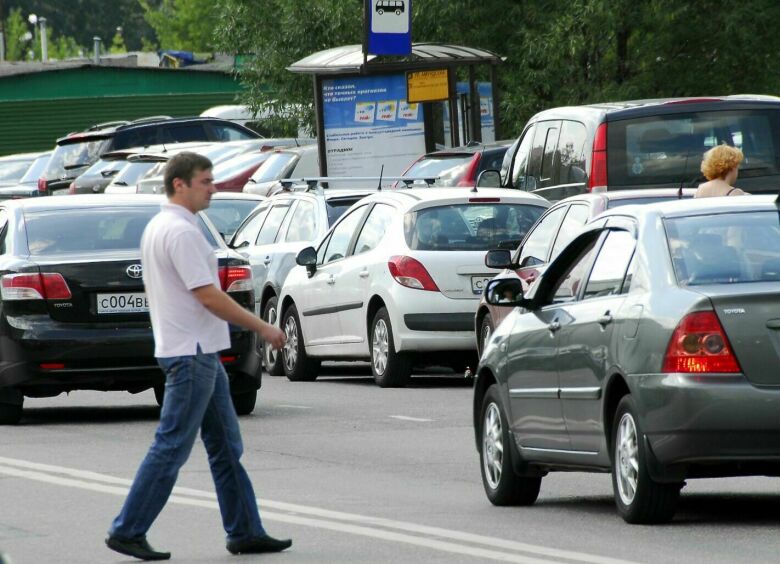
(290, 350)
(270, 353)
(626, 459)
(380, 347)
(492, 446)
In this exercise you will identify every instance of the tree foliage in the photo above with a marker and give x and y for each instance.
(182, 24)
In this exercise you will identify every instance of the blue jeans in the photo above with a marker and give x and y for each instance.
(197, 396)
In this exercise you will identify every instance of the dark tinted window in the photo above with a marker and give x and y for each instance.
(492, 159)
(272, 223)
(336, 208)
(606, 277)
(520, 164)
(669, 149)
(136, 137)
(183, 132)
(570, 157)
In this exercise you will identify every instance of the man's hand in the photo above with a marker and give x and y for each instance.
(273, 336)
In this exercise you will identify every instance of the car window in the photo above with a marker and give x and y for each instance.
(3, 230)
(335, 208)
(491, 160)
(568, 286)
(537, 245)
(321, 250)
(224, 132)
(570, 154)
(540, 169)
(136, 137)
(303, 223)
(272, 223)
(342, 235)
(184, 132)
(76, 156)
(374, 228)
(574, 220)
(131, 173)
(247, 233)
(611, 264)
(274, 167)
(520, 164)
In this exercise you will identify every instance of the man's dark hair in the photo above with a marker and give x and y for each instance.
(185, 165)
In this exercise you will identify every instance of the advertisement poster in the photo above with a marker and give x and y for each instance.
(485, 91)
(369, 124)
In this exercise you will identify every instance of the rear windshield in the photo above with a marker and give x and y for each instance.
(725, 248)
(336, 208)
(668, 149)
(226, 170)
(469, 227)
(273, 167)
(449, 169)
(227, 215)
(72, 230)
(75, 156)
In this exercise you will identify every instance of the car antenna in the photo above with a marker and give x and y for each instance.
(381, 173)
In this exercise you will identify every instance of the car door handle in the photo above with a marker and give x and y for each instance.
(267, 261)
(554, 326)
(331, 280)
(363, 274)
(605, 319)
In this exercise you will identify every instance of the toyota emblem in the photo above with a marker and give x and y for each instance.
(135, 271)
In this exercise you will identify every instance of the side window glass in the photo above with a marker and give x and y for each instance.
(374, 228)
(610, 267)
(3, 230)
(272, 224)
(632, 266)
(247, 233)
(342, 235)
(184, 132)
(547, 171)
(303, 224)
(570, 156)
(537, 244)
(538, 148)
(520, 165)
(227, 133)
(569, 284)
(574, 220)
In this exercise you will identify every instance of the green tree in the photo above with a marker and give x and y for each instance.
(15, 30)
(118, 43)
(183, 24)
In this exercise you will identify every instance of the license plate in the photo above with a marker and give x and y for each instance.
(478, 283)
(131, 302)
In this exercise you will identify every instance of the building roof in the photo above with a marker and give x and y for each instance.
(348, 59)
(33, 67)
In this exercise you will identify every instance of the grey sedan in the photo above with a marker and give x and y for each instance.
(648, 349)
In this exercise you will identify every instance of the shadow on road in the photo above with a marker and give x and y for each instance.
(360, 374)
(89, 414)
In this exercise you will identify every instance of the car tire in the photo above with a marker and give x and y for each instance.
(638, 498)
(503, 486)
(10, 413)
(159, 394)
(297, 365)
(486, 329)
(272, 360)
(391, 369)
(244, 402)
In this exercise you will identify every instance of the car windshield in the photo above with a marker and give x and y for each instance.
(469, 227)
(13, 170)
(227, 215)
(725, 248)
(273, 167)
(668, 149)
(230, 168)
(449, 169)
(35, 170)
(72, 159)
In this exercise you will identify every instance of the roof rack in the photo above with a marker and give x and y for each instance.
(107, 124)
(148, 118)
(289, 184)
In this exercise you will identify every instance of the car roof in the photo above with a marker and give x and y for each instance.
(326, 194)
(50, 203)
(22, 156)
(470, 149)
(617, 195)
(700, 206)
(415, 198)
(237, 196)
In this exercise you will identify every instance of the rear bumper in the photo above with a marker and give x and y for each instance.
(710, 425)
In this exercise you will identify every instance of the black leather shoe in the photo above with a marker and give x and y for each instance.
(138, 548)
(256, 545)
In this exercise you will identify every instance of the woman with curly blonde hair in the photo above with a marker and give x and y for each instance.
(720, 167)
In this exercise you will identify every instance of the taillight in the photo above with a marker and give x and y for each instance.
(236, 278)
(43, 188)
(411, 273)
(597, 181)
(699, 345)
(471, 173)
(34, 286)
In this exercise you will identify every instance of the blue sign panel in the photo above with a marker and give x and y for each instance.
(389, 27)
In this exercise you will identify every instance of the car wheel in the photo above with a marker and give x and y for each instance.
(297, 365)
(486, 329)
(391, 369)
(272, 359)
(159, 394)
(10, 413)
(244, 402)
(502, 484)
(638, 498)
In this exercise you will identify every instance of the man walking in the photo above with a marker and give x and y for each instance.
(190, 315)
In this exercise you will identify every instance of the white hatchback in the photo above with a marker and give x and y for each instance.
(398, 279)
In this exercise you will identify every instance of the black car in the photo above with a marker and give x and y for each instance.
(73, 313)
(643, 144)
(78, 151)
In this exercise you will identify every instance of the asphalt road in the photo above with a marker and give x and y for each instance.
(354, 474)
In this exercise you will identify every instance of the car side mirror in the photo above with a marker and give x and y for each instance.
(308, 258)
(498, 258)
(505, 292)
(489, 179)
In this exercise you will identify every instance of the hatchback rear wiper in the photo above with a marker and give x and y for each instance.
(72, 166)
(120, 183)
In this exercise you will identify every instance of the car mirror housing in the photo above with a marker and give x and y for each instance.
(489, 178)
(498, 258)
(505, 292)
(308, 258)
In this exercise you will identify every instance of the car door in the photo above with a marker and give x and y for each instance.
(586, 350)
(323, 299)
(359, 271)
(532, 367)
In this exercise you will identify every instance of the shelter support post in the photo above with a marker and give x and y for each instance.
(496, 102)
(320, 117)
(428, 126)
(453, 103)
(474, 108)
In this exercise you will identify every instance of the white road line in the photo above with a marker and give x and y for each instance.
(314, 517)
(407, 418)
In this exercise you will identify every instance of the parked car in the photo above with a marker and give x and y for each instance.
(126, 180)
(75, 152)
(298, 162)
(548, 237)
(14, 167)
(273, 234)
(27, 185)
(228, 210)
(397, 280)
(647, 348)
(74, 314)
(230, 175)
(460, 166)
(97, 177)
(643, 144)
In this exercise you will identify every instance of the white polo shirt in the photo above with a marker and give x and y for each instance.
(176, 259)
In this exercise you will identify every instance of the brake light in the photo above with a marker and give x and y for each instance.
(52, 365)
(227, 359)
(471, 173)
(43, 187)
(699, 345)
(34, 286)
(597, 181)
(235, 278)
(411, 273)
(484, 200)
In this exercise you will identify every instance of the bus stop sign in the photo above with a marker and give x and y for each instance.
(389, 27)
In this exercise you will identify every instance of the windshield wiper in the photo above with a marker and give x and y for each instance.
(72, 166)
